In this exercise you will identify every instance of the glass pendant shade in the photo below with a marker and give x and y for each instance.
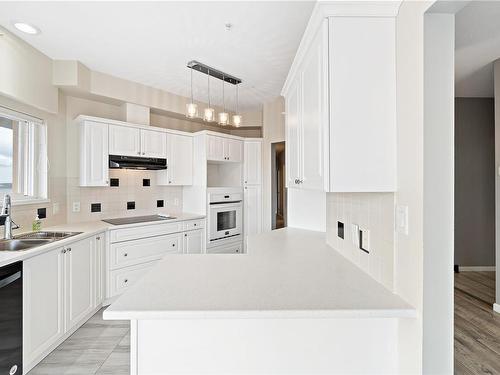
(236, 120)
(191, 110)
(223, 118)
(209, 114)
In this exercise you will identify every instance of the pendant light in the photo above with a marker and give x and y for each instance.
(223, 116)
(209, 112)
(192, 107)
(237, 116)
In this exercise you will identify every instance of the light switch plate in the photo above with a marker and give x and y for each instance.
(402, 219)
(76, 206)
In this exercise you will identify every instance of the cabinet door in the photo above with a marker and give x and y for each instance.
(253, 209)
(124, 140)
(293, 119)
(193, 241)
(314, 115)
(99, 249)
(253, 163)
(43, 320)
(94, 154)
(153, 144)
(79, 283)
(233, 150)
(180, 159)
(215, 148)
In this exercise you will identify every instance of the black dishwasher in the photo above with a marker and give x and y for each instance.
(11, 319)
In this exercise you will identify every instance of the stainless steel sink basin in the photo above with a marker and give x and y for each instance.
(16, 245)
(53, 236)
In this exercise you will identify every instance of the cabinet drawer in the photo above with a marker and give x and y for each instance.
(226, 249)
(133, 233)
(144, 250)
(227, 197)
(121, 280)
(194, 224)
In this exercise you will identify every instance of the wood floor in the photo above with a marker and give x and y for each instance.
(98, 347)
(477, 326)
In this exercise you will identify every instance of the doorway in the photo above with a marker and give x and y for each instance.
(278, 188)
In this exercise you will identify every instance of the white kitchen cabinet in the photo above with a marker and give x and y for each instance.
(153, 144)
(79, 272)
(253, 209)
(252, 167)
(124, 140)
(193, 241)
(94, 154)
(224, 149)
(341, 126)
(43, 305)
(215, 148)
(98, 275)
(179, 161)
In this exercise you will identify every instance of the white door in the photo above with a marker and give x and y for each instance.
(293, 125)
(94, 170)
(153, 144)
(253, 163)
(98, 276)
(180, 159)
(79, 281)
(193, 242)
(314, 115)
(215, 148)
(233, 150)
(253, 209)
(124, 140)
(43, 320)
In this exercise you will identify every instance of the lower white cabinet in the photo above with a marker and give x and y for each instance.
(193, 241)
(59, 294)
(235, 248)
(122, 279)
(253, 209)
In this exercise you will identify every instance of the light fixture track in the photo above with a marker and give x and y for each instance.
(205, 69)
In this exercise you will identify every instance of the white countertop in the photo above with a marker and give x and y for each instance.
(87, 228)
(287, 273)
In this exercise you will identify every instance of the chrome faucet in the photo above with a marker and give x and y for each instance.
(5, 215)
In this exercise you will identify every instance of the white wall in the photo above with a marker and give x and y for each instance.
(273, 131)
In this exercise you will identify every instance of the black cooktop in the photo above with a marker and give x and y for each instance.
(137, 219)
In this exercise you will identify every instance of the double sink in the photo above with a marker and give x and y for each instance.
(27, 241)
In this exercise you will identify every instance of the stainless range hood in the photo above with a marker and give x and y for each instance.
(134, 162)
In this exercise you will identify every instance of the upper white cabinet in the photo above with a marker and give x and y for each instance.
(340, 107)
(252, 167)
(131, 141)
(224, 149)
(179, 161)
(93, 154)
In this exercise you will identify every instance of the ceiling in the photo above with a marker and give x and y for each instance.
(477, 45)
(151, 42)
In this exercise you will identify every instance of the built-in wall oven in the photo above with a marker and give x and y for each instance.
(225, 214)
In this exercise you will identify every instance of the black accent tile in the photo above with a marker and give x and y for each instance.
(340, 229)
(42, 213)
(115, 182)
(160, 203)
(146, 182)
(130, 205)
(95, 207)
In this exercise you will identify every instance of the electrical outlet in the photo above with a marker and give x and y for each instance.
(355, 234)
(402, 219)
(176, 201)
(76, 206)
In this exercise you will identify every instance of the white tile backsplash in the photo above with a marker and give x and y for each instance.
(372, 211)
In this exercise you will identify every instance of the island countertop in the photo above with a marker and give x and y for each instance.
(286, 273)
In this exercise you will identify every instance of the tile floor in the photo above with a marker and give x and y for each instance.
(97, 347)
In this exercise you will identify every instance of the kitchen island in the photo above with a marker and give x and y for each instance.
(292, 304)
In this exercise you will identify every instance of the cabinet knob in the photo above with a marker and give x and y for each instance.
(125, 255)
(63, 251)
(69, 249)
(125, 281)
(98, 238)
(169, 181)
(173, 245)
(144, 153)
(185, 235)
(195, 224)
(138, 152)
(246, 182)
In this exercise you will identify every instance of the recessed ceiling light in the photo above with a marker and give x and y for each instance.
(26, 28)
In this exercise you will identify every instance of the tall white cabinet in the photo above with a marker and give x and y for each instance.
(340, 106)
(252, 182)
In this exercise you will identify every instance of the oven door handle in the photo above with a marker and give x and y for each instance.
(10, 279)
(226, 202)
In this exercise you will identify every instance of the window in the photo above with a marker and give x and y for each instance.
(23, 157)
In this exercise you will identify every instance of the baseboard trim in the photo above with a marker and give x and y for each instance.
(476, 268)
(496, 308)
